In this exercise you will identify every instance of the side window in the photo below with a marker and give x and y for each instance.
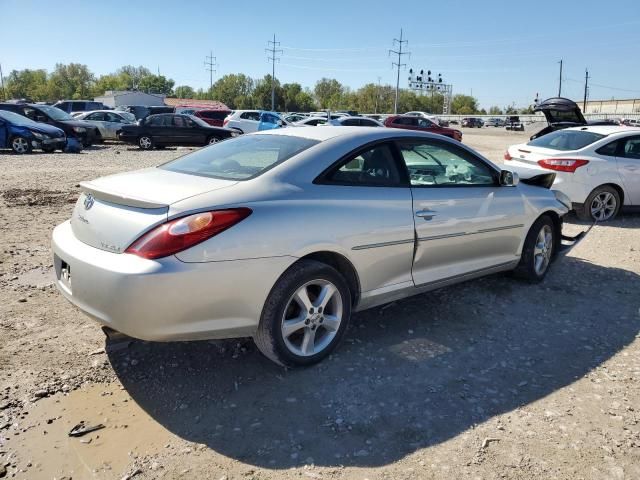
(64, 106)
(374, 166)
(424, 123)
(609, 149)
(251, 116)
(99, 116)
(350, 122)
(158, 120)
(632, 148)
(435, 164)
(31, 113)
(179, 122)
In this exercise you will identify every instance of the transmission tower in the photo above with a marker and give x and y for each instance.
(273, 58)
(400, 42)
(210, 65)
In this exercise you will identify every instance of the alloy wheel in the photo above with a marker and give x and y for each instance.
(603, 206)
(213, 140)
(145, 142)
(543, 250)
(20, 145)
(312, 318)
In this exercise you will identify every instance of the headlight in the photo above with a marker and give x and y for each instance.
(40, 136)
(79, 129)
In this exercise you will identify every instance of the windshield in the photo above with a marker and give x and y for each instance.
(18, 120)
(240, 158)
(55, 113)
(199, 121)
(566, 139)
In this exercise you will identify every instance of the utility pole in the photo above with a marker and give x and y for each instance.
(273, 58)
(586, 90)
(4, 94)
(398, 64)
(210, 64)
(560, 83)
(377, 95)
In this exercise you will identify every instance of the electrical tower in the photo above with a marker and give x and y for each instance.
(586, 90)
(210, 64)
(400, 42)
(273, 58)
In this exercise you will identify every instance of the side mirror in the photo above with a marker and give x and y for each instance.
(509, 179)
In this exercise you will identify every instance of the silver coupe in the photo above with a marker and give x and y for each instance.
(282, 234)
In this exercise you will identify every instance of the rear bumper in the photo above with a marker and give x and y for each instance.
(164, 299)
(564, 182)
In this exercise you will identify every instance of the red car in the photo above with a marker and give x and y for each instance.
(423, 124)
(211, 116)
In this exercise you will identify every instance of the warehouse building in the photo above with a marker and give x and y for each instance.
(116, 98)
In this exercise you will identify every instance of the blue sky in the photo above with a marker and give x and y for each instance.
(503, 52)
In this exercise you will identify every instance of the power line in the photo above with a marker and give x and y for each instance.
(398, 64)
(210, 64)
(273, 58)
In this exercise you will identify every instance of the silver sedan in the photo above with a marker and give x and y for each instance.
(282, 234)
(108, 122)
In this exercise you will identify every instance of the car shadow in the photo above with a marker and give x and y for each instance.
(628, 217)
(409, 375)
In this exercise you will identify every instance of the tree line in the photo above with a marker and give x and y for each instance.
(75, 81)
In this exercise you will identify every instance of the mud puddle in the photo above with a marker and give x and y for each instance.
(19, 197)
(43, 449)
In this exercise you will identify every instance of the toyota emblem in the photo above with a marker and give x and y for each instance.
(88, 201)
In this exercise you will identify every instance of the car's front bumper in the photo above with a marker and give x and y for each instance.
(164, 299)
(50, 143)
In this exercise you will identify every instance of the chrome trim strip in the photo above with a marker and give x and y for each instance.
(383, 244)
(461, 234)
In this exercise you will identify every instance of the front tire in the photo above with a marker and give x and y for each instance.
(602, 204)
(212, 140)
(20, 145)
(305, 315)
(145, 142)
(538, 251)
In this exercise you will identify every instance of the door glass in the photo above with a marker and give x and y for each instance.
(432, 164)
(374, 167)
(632, 148)
(179, 122)
(98, 116)
(609, 149)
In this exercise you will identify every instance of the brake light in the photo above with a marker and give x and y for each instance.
(224, 122)
(562, 164)
(179, 234)
(507, 156)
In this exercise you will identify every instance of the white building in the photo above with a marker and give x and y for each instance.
(116, 98)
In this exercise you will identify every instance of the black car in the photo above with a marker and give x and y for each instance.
(472, 122)
(172, 129)
(514, 123)
(142, 111)
(85, 132)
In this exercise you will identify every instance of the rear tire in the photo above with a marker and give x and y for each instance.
(538, 251)
(145, 142)
(305, 316)
(602, 204)
(20, 145)
(212, 140)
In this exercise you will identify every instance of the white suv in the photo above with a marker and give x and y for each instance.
(249, 121)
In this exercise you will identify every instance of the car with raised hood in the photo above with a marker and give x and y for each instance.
(412, 122)
(280, 235)
(23, 135)
(596, 167)
(170, 129)
(108, 122)
(86, 133)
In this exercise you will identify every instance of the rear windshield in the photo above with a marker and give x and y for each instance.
(566, 139)
(240, 158)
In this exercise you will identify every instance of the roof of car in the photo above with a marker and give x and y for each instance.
(328, 132)
(606, 129)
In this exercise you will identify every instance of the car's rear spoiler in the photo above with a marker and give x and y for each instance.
(544, 180)
(118, 198)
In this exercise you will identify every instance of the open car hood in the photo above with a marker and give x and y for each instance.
(559, 110)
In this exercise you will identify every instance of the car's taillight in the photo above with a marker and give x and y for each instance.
(562, 164)
(224, 122)
(507, 156)
(179, 234)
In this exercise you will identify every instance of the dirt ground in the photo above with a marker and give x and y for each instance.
(489, 379)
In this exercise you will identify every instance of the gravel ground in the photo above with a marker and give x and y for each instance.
(484, 380)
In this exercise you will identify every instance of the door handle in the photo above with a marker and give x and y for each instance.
(426, 214)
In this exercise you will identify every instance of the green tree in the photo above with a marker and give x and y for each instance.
(27, 83)
(73, 81)
(510, 110)
(262, 94)
(234, 90)
(184, 91)
(495, 110)
(526, 111)
(328, 93)
(464, 105)
(156, 84)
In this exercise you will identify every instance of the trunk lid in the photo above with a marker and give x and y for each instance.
(559, 110)
(114, 211)
(530, 155)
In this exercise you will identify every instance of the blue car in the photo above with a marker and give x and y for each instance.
(23, 135)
